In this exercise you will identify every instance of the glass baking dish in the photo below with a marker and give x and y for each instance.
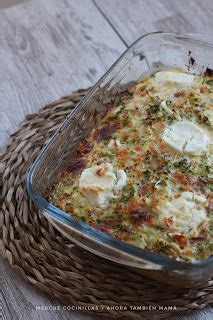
(150, 53)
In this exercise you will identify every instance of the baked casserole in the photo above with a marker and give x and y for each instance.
(143, 175)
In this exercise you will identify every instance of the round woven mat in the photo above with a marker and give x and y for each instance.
(55, 265)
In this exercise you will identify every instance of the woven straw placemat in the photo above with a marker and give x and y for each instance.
(55, 265)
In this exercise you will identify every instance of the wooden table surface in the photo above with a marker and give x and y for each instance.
(48, 48)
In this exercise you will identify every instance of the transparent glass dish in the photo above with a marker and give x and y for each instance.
(152, 52)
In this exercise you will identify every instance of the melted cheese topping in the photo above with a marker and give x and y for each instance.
(176, 78)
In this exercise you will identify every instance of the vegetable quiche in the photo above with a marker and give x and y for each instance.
(143, 176)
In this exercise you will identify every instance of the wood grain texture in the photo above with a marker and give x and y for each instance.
(132, 18)
(8, 3)
(49, 48)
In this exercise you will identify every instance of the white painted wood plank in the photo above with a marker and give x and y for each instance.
(48, 49)
(8, 3)
(132, 18)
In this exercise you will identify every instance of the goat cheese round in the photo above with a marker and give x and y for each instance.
(174, 77)
(100, 183)
(186, 137)
(186, 213)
